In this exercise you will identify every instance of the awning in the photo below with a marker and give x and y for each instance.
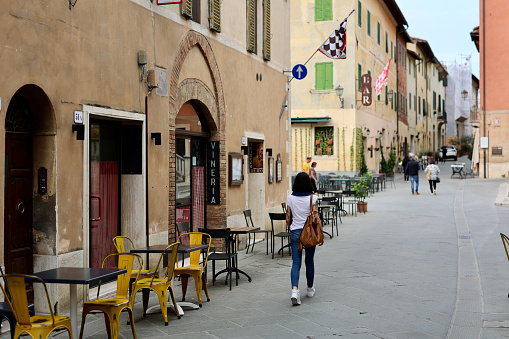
(310, 120)
(475, 151)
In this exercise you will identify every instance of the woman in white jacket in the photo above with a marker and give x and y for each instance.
(432, 171)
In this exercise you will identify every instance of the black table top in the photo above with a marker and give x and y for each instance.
(243, 230)
(78, 275)
(161, 248)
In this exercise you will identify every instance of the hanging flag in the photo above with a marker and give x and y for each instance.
(381, 81)
(335, 45)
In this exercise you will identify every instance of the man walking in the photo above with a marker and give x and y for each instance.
(412, 168)
(305, 165)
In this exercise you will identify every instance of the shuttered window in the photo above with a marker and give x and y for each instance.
(369, 23)
(359, 75)
(266, 30)
(386, 43)
(434, 100)
(251, 26)
(378, 32)
(323, 10)
(323, 76)
(410, 100)
(186, 8)
(215, 15)
(359, 13)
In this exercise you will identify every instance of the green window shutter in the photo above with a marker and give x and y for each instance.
(419, 105)
(392, 50)
(186, 8)
(215, 15)
(359, 13)
(359, 75)
(434, 100)
(410, 100)
(378, 31)
(251, 26)
(386, 98)
(266, 30)
(386, 43)
(369, 23)
(319, 10)
(319, 76)
(328, 76)
(327, 10)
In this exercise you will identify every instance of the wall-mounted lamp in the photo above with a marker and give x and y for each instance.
(339, 92)
(80, 131)
(379, 133)
(156, 137)
(366, 130)
(390, 95)
(464, 94)
(269, 151)
(244, 150)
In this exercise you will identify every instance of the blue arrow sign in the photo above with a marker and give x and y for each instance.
(299, 71)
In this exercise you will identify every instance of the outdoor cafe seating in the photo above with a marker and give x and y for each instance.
(249, 223)
(161, 285)
(112, 307)
(282, 235)
(37, 326)
(195, 269)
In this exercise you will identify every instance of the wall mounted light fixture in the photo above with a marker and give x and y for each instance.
(339, 92)
(390, 94)
(156, 137)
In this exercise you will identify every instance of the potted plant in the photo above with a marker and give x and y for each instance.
(319, 151)
(328, 150)
(361, 189)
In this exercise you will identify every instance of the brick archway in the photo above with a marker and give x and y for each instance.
(213, 100)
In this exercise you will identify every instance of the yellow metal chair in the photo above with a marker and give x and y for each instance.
(161, 285)
(37, 326)
(114, 306)
(505, 241)
(195, 270)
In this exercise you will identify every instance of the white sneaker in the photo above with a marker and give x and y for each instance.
(295, 297)
(311, 292)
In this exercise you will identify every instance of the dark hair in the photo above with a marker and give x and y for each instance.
(302, 183)
(313, 164)
(308, 158)
(432, 162)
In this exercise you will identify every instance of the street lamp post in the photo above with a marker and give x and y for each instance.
(339, 93)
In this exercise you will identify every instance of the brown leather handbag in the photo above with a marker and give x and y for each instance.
(312, 233)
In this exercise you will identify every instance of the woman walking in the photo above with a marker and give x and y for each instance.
(314, 178)
(432, 171)
(296, 214)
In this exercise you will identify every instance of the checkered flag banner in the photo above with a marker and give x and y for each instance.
(381, 81)
(335, 45)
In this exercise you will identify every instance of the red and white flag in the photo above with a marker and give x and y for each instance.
(335, 45)
(381, 81)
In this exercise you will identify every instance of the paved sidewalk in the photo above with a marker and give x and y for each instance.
(412, 267)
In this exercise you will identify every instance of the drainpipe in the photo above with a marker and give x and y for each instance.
(147, 139)
(484, 79)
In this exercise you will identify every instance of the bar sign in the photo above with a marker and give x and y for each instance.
(213, 173)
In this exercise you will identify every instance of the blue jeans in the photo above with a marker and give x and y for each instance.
(416, 179)
(297, 260)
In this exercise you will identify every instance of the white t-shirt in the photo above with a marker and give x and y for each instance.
(300, 210)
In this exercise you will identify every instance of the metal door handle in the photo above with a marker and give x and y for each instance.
(96, 197)
(20, 207)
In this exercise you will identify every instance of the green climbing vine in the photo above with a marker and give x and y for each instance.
(306, 145)
(301, 151)
(310, 151)
(339, 169)
(359, 145)
(295, 151)
(344, 150)
(351, 150)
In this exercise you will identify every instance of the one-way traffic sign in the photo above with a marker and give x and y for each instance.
(299, 71)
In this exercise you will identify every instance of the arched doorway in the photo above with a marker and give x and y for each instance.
(18, 207)
(191, 134)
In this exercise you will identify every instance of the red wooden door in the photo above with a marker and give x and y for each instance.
(18, 203)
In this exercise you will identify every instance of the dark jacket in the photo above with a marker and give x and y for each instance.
(412, 168)
(405, 162)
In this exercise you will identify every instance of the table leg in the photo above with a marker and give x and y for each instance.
(74, 309)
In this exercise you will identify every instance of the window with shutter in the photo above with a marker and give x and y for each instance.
(386, 98)
(186, 8)
(410, 100)
(378, 31)
(386, 42)
(359, 75)
(369, 23)
(323, 10)
(251, 26)
(266, 30)
(215, 15)
(323, 76)
(359, 13)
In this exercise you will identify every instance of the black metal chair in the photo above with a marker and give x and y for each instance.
(6, 311)
(249, 223)
(228, 256)
(282, 235)
(334, 212)
(283, 204)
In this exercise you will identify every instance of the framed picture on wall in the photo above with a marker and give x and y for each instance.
(256, 157)
(279, 168)
(235, 167)
(271, 169)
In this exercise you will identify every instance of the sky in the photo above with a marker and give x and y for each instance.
(446, 25)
